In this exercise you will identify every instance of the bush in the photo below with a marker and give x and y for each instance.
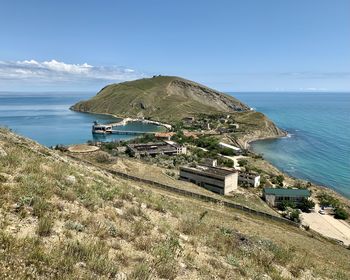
(327, 200)
(278, 180)
(209, 143)
(294, 216)
(103, 157)
(340, 213)
(141, 272)
(166, 253)
(306, 205)
(44, 226)
(226, 162)
(242, 162)
(285, 204)
(227, 152)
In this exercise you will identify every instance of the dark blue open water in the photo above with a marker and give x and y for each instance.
(46, 118)
(318, 148)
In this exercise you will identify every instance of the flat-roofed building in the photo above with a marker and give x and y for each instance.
(249, 178)
(235, 149)
(219, 180)
(164, 135)
(276, 196)
(159, 148)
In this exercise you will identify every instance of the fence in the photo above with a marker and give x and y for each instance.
(202, 197)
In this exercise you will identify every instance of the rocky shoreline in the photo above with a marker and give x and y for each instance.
(315, 188)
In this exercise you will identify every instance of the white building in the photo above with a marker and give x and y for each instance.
(251, 179)
(219, 180)
(234, 148)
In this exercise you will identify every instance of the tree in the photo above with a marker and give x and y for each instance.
(294, 216)
(279, 180)
(242, 162)
(306, 205)
(227, 152)
(285, 204)
(327, 200)
(340, 213)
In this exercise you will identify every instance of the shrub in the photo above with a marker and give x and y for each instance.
(103, 157)
(340, 213)
(227, 152)
(294, 216)
(40, 207)
(242, 162)
(44, 226)
(285, 204)
(306, 205)
(74, 226)
(278, 180)
(327, 200)
(141, 272)
(166, 253)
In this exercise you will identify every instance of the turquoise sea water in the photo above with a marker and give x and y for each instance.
(46, 118)
(318, 147)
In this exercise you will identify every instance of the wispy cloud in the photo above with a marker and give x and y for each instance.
(54, 71)
(317, 75)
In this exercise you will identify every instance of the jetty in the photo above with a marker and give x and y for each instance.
(131, 132)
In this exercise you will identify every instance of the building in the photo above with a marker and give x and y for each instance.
(101, 128)
(249, 178)
(275, 196)
(153, 149)
(193, 134)
(219, 180)
(164, 135)
(235, 149)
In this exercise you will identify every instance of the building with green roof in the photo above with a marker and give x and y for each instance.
(276, 196)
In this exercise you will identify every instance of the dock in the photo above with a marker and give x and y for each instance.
(129, 132)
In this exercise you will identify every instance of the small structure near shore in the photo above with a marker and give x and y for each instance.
(277, 196)
(101, 128)
(164, 135)
(215, 179)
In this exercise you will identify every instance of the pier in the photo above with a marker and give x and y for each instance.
(129, 132)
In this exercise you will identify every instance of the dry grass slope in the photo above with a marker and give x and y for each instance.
(161, 98)
(61, 219)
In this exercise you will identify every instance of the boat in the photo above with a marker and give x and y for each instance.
(101, 128)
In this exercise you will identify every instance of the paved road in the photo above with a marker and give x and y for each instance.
(327, 225)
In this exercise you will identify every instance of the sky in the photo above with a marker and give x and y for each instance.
(230, 45)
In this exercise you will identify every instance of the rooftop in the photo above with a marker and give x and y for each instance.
(208, 170)
(164, 134)
(154, 147)
(287, 192)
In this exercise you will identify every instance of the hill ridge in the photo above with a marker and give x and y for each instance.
(160, 98)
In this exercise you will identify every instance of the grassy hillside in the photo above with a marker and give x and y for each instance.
(61, 219)
(160, 98)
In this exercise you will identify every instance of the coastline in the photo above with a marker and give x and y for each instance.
(315, 186)
(246, 143)
(126, 120)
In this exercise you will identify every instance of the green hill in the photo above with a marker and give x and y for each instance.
(161, 98)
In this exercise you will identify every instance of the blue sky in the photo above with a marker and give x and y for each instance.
(233, 45)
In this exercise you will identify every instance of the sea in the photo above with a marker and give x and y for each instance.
(45, 117)
(317, 147)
